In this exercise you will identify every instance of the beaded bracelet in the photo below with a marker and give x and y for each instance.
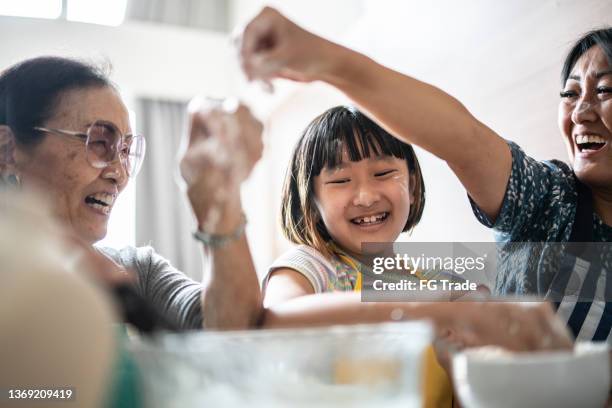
(220, 240)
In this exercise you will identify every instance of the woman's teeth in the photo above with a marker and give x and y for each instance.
(105, 209)
(371, 219)
(590, 142)
(101, 201)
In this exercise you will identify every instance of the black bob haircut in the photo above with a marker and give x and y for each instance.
(601, 37)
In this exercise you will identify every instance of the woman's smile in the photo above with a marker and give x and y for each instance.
(101, 203)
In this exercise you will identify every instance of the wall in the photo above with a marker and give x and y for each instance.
(148, 59)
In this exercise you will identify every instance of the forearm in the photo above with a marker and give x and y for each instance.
(463, 324)
(414, 111)
(347, 308)
(231, 298)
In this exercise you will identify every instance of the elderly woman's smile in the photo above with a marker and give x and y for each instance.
(101, 202)
(80, 193)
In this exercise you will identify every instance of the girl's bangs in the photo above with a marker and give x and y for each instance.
(357, 137)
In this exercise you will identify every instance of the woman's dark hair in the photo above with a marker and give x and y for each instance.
(601, 37)
(30, 89)
(321, 146)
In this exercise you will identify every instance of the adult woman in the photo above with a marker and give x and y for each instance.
(65, 132)
(421, 114)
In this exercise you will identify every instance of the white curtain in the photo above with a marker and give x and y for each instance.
(202, 14)
(163, 217)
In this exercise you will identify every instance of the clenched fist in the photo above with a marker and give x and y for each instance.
(223, 144)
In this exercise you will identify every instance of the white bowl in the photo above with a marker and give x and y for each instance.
(487, 377)
(351, 366)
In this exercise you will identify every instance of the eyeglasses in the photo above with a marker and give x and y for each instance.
(104, 143)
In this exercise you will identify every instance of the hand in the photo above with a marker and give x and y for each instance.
(272, 46)
(224, 143)
(526, 326)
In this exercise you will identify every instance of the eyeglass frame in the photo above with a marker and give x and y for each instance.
(118, 152)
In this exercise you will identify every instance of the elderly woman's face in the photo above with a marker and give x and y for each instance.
(79, 194)
(585, 118)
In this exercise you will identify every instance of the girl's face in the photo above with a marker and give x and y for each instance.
(364, 201)
(585, 118)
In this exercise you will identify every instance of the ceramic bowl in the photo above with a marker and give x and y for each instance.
(489, 377)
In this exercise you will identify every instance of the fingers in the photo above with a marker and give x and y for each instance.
(536, 327)
(252, 139)
(202, 112)
(267, 47)
(266, 65)
(259, 37)
(225, 143)
(529, 326)
(558, 335)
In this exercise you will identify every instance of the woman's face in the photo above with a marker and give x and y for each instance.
(585, 118)
(364, 201)
(78, 193)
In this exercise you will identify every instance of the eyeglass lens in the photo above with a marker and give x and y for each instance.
(105, 142)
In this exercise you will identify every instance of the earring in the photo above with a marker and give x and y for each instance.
(11, 181)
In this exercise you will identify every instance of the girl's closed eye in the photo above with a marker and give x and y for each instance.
(382, 174)
(338, 181)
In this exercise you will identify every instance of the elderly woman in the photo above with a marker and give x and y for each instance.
(65, 132)
(522, 199)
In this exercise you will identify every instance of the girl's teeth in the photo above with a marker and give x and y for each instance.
(369, 220)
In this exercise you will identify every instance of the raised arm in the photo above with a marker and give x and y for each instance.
(224, 144)
(418, 113)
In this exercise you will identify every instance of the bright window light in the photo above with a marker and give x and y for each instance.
(104, 12)
(31, 8)
(121, 230)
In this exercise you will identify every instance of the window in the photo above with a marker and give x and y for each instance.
(107, 12)
(104, 12)
(31, 8)
(121, 229)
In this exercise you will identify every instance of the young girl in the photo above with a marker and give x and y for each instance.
(348, 182)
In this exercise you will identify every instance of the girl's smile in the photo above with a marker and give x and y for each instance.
(371, 220)
(364, 201)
